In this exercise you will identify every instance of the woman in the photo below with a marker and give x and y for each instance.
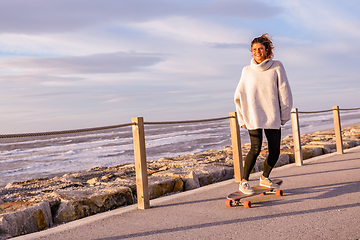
(263, 100)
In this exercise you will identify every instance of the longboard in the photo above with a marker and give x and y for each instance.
(234, 198)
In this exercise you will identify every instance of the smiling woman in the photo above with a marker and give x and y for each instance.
(262, 48)
(263, 101)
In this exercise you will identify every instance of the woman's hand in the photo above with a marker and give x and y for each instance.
(244, 127)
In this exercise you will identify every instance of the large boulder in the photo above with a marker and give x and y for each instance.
(78, 203)
(310, 151)
(198, 175)
(30, 219)
(282, 160)
(192, 181)
(160, 186)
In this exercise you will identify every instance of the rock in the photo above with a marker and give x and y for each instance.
(14, 206)
(192, 181)
(322, 144)
(350, 144)
(93, 181)
(290, 152)
(164, 185)
(175, 172)
(28, 220)
(208, 174)
(283, 160)
(199, 175)
(327, 148)
(309, 152)
(76, 204)
(179, 185)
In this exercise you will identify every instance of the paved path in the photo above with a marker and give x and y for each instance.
(321, 201)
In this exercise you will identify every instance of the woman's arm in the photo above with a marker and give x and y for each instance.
(285, 95)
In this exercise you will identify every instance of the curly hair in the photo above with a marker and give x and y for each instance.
(265, 40)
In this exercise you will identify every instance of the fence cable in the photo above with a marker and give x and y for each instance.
(63, 132)
(330, 110)
(349, 109)
(190, 121)
(317, 111)
(130, 124)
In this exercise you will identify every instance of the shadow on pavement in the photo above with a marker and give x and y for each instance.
(226, 222)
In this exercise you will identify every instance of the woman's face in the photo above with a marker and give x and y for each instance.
(259, 52)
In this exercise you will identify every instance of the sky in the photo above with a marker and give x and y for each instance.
(69, 64)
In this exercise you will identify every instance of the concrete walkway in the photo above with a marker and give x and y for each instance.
(321, 201)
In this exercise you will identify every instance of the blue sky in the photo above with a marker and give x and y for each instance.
(82, 63)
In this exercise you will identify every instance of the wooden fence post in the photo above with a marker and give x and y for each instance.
(140, 163)
(236, 146)
(296, 137)
(337, 125)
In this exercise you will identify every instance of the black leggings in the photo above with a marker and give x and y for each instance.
(273, 137)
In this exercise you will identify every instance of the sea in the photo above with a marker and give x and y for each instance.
(26, 158)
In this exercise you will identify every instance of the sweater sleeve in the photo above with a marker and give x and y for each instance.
(238, 104)
(285, 95)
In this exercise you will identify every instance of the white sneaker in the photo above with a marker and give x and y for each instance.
(245, 188)
(267, 182)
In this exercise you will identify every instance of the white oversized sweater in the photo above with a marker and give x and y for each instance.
(263, 96)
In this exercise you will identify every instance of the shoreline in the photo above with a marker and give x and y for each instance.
(49, 156)
(76, 195)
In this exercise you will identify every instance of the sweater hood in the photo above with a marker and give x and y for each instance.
(265, 65)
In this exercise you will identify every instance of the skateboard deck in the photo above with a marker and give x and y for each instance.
(234, 198)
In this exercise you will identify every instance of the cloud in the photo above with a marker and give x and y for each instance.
(118, 62)
(333, 21)
(41, 16)
(229, 45)
(68, 15)
(183, 30)
(241, 9)
(30, 79)
(115, 59)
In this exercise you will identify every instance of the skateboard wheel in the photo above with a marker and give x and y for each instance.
(247, 204)
(279, 193)
(263, 193)
(228, 203)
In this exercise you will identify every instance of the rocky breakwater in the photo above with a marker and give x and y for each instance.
(38, 204)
